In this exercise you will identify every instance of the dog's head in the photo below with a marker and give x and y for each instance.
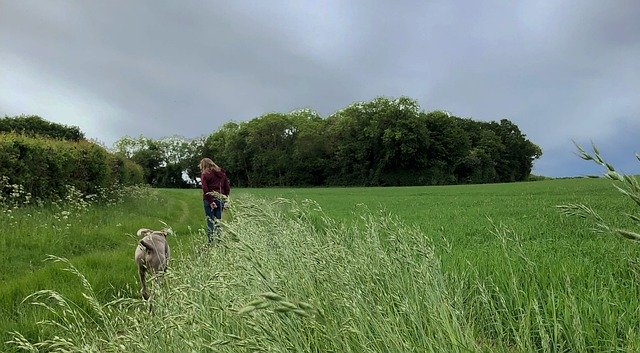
(143, 232)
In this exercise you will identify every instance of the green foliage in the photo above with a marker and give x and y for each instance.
(371, 141)
(165, 161)
(44, 167)
(311, 149)
(125, 171)
(381, 142)
(516, 158)
(227, 147)
(269, 145)
(33, 125)
(272, 150)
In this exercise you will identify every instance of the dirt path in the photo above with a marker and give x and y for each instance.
(184, 207)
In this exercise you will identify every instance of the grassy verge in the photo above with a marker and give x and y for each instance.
(98, 239)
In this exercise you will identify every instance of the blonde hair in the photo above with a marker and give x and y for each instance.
(207, 164)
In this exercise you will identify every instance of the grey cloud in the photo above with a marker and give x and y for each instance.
(560, 70)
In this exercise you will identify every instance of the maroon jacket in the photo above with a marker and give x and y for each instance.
(214, 181)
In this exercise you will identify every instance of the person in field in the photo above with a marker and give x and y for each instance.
(215, 191)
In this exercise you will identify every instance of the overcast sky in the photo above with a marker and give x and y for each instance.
(560, 70)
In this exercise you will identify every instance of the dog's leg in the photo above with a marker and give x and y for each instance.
(167, 253)
(143, 284)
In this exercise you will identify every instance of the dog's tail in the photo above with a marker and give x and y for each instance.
(142, 232)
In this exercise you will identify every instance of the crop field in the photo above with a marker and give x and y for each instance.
(474, 268)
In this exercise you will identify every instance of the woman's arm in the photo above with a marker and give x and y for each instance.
(226, 189)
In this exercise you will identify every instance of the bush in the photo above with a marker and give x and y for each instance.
(33, 125)
(44, 167)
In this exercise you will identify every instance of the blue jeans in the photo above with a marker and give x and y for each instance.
(212, 217)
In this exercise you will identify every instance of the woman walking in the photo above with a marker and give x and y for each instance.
(215, 190)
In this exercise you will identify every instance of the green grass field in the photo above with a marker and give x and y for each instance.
(453, 268)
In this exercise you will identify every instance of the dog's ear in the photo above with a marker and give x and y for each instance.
(166, 231)
(143, 232)
(146, 244)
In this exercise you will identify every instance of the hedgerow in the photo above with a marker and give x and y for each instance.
(45, 167)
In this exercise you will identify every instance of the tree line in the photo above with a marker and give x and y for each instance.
(376, 143)
(382, 142)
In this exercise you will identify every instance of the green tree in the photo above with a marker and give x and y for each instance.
(167, 162)
(516, 160)
(228, 148)
(479, 165)
(378, 142)
(269, 145)
(405, 143)
(181, 157)
(450, 145)
(310, 150)
(151, 160)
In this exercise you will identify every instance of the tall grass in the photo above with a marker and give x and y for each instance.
(287, 277)
(96, 233)
(627, 185)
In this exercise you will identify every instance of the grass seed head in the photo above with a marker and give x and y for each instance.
(272, 296)
(287, 304)
(281, 309)
(256, 302)
(247, 309)
(301, 312)
(305, 306)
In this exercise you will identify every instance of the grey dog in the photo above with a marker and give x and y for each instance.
(152, 255)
